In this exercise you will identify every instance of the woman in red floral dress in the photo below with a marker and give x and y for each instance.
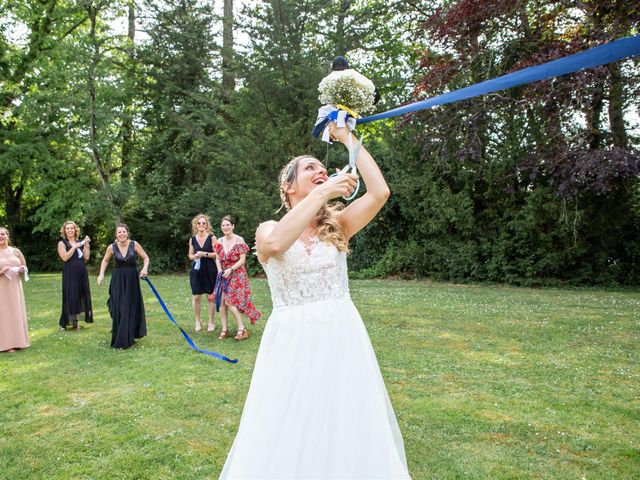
(231, 251)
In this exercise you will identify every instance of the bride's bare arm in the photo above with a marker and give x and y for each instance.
(359, 213)
(273, 239)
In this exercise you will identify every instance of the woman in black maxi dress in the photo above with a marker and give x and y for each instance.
(203, 269)
(125, 297)
(76, 294)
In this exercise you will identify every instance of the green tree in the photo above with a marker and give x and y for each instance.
(176, 173)
(510, 187)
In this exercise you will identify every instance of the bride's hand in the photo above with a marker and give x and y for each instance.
(340, 134)
(341, 185)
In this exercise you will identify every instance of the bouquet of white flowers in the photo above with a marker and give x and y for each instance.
(345, 95)
(348, 90)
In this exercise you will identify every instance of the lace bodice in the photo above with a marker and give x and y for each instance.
(306, 275)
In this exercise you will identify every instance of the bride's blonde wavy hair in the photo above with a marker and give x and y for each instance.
(328, 229)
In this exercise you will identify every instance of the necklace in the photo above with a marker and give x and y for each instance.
(308, 239)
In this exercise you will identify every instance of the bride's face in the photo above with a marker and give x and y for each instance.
(310, 174)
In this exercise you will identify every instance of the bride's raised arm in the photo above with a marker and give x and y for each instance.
(359, 213)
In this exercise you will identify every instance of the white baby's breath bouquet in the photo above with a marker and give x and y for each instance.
(348, 90)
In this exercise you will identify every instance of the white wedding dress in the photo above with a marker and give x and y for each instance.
(317, 407)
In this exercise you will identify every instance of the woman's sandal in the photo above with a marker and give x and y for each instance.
(223, 335)
(198, 326)
(211, 328)
(242, 334)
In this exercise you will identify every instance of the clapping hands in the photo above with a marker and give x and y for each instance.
(84, 241)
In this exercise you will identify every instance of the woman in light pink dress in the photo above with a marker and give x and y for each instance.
(13, 314)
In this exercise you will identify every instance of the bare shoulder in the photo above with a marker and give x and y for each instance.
(262, 232)
(265, 228)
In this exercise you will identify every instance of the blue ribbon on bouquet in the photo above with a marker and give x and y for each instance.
(329, 113)
(186, 336)
(594, 57)
(222, 286)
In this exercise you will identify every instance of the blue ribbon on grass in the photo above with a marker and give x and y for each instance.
(186, 336)
(594, 57)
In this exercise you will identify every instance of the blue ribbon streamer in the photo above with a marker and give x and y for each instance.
(186, 336)
(594, 57)
(222, 285)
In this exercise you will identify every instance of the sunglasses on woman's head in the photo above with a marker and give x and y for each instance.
(202, 223)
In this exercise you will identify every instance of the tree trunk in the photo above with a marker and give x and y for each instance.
(127, 117)
(616, 106)
(91, 88)
(341, 41)
(13, 202)
(228, 78)
(103, 172)
(593, 116)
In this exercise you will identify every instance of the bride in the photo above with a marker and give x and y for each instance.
(317, 407)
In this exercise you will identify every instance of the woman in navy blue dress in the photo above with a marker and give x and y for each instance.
(76, 294)
(125, 297)
(203, 269)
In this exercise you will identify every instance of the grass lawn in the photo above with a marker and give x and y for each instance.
(486, 382)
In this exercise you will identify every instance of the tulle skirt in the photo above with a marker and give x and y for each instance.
(317, 407)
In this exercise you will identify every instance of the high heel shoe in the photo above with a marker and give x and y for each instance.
(242, 334)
